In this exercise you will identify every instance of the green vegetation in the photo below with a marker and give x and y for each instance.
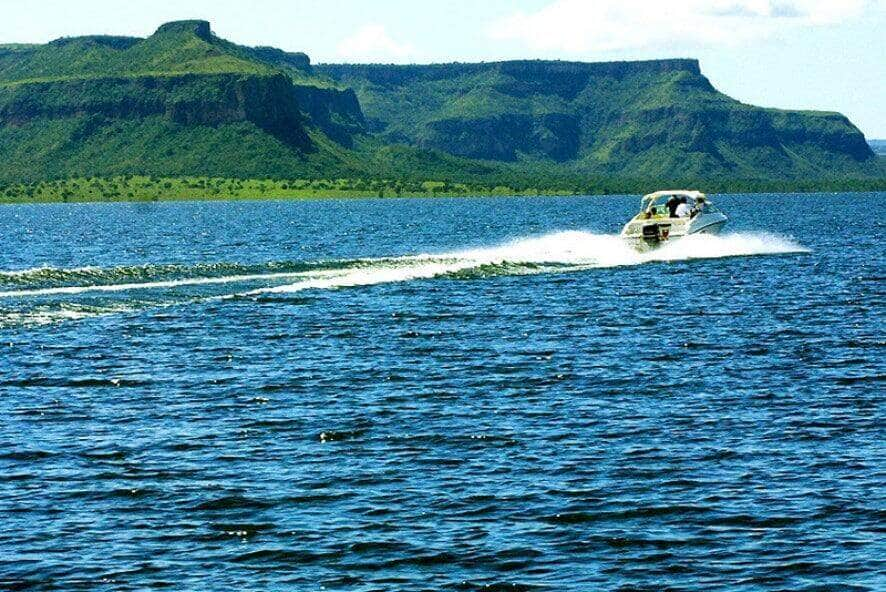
(140, 188)
(177, 48)
(649, 119)
(181, 102)
(134, 188)
(184, 114)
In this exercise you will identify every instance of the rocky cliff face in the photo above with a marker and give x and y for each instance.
(504, 137)
(184, 76)
(336, 112)
(270, 102)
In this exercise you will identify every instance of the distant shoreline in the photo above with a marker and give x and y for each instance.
(140, 189)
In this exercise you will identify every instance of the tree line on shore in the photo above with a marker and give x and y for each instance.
(151, 188)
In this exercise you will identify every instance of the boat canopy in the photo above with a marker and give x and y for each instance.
(651, 198)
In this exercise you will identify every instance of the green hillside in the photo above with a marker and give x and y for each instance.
(652, 119)
(184, 103)
(181, 102)
(186, 47)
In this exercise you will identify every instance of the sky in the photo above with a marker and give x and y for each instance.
(793, 54)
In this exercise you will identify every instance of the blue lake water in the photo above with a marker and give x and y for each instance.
(441, 395)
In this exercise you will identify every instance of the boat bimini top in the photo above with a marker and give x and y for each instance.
(661, 197)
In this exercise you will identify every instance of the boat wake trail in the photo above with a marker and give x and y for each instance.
(48, 295)
(558, 252)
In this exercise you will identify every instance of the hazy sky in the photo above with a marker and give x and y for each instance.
(809, 54)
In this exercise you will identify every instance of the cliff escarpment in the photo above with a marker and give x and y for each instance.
(269, 102)
(334, 111)
(185, 102)
(189, 101)
(652, 118)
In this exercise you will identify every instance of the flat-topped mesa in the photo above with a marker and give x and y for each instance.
(297, 60)
(112, 41)
(103, 104)
(400, 74)
(200, 28)
(183, 73)
(601, 68)
(651, 117)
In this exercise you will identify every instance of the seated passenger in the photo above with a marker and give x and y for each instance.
(672, 204)
(683, 209)
(651, 212)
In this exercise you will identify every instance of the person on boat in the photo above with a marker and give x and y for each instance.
(672, 204)
(683, 210)
(700, 205)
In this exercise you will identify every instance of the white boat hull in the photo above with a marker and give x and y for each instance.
(650, 234)
(653, 226)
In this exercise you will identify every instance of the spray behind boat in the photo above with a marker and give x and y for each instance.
(672, 214)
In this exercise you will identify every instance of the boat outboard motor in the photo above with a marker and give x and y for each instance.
(650, 232)
(656, 232)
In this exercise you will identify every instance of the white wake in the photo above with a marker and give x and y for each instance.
(561, 251)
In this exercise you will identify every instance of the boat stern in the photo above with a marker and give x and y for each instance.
(654, 231)
(654, 225)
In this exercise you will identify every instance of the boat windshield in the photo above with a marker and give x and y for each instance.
(655, 204)
(659, 200)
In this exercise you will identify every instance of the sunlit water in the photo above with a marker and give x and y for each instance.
(441, 394)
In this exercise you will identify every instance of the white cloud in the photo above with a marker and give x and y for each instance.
(581, 26)
(372, 43)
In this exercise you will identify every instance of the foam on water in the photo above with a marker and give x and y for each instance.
(50, 315)
(201, 281)
(561, 251)
(708, 246)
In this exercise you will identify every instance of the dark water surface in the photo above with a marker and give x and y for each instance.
(441, 394)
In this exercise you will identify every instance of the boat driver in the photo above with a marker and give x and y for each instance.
(683, 210)
(700, 205)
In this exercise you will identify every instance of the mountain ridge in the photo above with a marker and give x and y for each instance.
(184, 101)
(610, 117)
(166, 92)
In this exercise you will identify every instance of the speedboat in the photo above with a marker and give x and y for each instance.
(654, 225)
